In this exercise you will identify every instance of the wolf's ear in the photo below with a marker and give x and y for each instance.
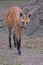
(21, 14)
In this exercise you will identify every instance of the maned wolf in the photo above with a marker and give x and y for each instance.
(17, 19)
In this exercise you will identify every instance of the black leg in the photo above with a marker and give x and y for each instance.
(18, 46)
(9, 40)
(14, 38)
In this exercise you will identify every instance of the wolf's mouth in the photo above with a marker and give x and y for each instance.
(22, 26)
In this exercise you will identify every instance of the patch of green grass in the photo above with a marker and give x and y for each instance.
(18, 64)
(16, 0)
(26, 0)
(34, 48)
(31, 36)
(6, 64)
(27, 46)
(1, 58)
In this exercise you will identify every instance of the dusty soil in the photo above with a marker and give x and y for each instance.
(32, 38)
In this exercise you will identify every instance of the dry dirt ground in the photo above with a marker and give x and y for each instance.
(32, 38)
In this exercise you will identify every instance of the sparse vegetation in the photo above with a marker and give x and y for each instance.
(6, 64)
(31, 36)
(32, 51)
(16, 0)
(1, 58)
(33, 48)
(18, 64)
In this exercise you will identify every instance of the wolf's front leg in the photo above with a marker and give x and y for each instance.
(18, 46)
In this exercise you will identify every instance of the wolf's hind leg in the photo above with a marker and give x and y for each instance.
(14, 38)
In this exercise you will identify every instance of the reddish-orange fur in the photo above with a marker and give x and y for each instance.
(14, 20)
